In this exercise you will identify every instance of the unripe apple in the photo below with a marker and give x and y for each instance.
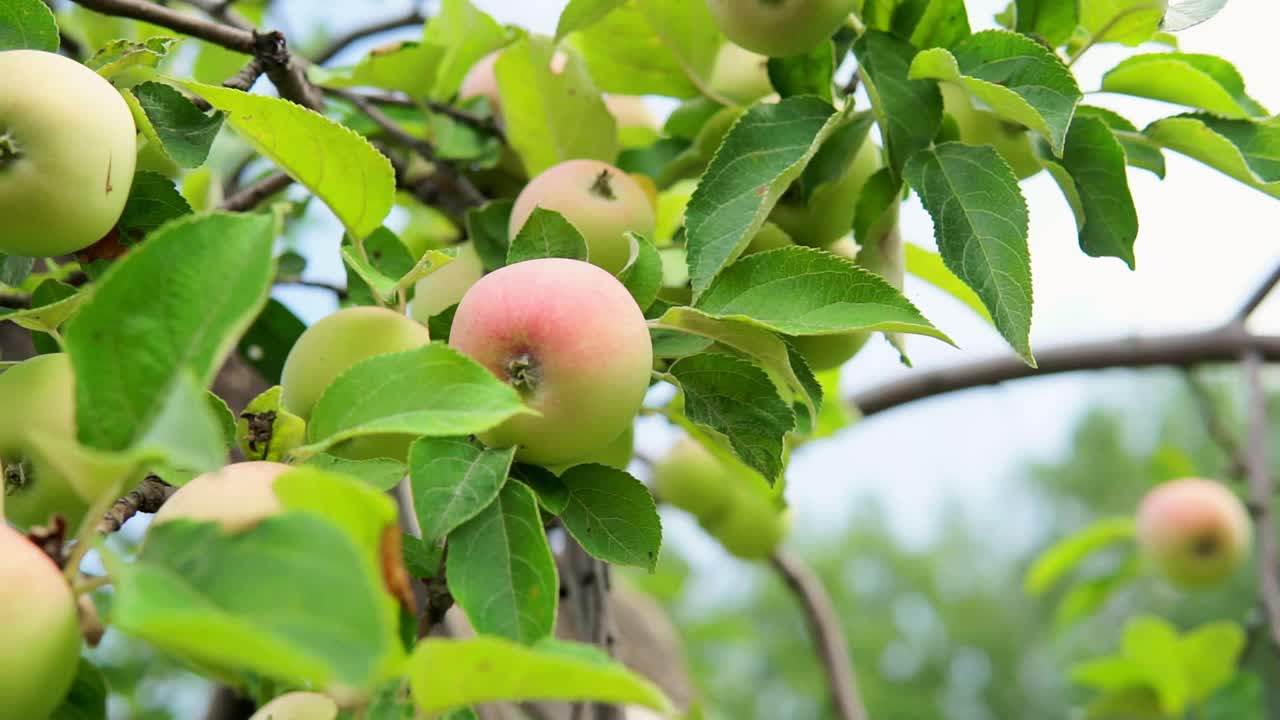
(41, 647)
(779, 28)
(694, 480)
(445, 287)
(828, 215)
(570, 338)
(983, 127)
(68, 147)
(298, 706)
(637, 126)
(329, 348)
(237, 496)
(740, 75)
(751, 527)
(37, 395)
(598, 199)
(1195, 531)
(616, 454)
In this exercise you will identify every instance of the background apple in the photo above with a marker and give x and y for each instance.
(598, 199)
(41, 647)
(580, 355)
(237, 496)
(68, 147)
(298, 706)
(983, 127)
(691, 478)
(779, 28)
(637, 126)
(740, 75)
(1195, 531)
(443, 288)
(39, 394)
(828, 215)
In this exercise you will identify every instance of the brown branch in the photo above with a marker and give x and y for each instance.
(16, 301)
(1221, 345)
(249, 197)
(218, 33)
(827, 634)
(1259, 294)
(1261, 490)
(341, 42)
(337, 290)
(148, 497)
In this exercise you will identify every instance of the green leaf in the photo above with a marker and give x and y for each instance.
(135, 338)
(1182, 14)
(552, 117)
(546, 234)
(355, 180)
(1084, 597)
(432, 391)
(806, 291)
(265, 345)
(909, 111)
(501, 570)
(186, 433)
(410, 68)
(378, 473)
(1109, 673)
(87, 699)
(1129, 22)
(1052, 20)
(1062, 558)
(580, 14)
(653, 47)
(1210, 656)
(52, 304)
(642, 275)
(487, 228)
(153, 201)
(980, 223)
(250, 600)
(421, 560)
(552, 493)
(763, 153)
(14, 269)
(453, 480)
(1205, 82)
(27, 24)
(226, 420)
(446, 674)
(1020, 79)
(1093, 163)
(1153, 644)
(738, 400)
(932, 23)
(835, 414)
(465, 34)
(1139, 150)
(1243, 149)
(807, 74)
(119, 55)
(185, 133)
(612, 515)
(928, 266)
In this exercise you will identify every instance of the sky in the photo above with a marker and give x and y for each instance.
(1204, 242)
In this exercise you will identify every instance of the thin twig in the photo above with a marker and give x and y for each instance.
(148, 497)
(1221, 435)
(249, 197)
(478, 122)
(1221, 345)
(827, 634)
(1261, 489)
(338, 291)
(340, 43)
(218, 33)
(1259, 294)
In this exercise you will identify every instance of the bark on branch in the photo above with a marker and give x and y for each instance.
(1261, 493)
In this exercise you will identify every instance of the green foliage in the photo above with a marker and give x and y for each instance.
(546, 234)
(663, 47)
(611, 515)
(27, 24)
(453, 480)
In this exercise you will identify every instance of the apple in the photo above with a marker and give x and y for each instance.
(482, 79)
(1195, 531)
(329, 348)
(570, 338)
(41, 647)
(779, 28)
(298, 706)
(694, 480)
(616, 454)
(41, 395)
(740, 75)
(751, 527)
(237, 496)
(828, 215)
(983, 127)
(637, 126)
(68, 147)
(443, 288)
(598, 199)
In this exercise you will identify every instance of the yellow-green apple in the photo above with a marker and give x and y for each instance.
(751, 527)
(691, 478)
(779, 28)
(236, 497)
(38, 395)
(1195, 531)
(598, 199)
(637, 126)
(68, 147)
(298, 706)
(983, 127)
(41, 647)
(740, 75)
(443, 288)
(616, 454)
(828, 215)
(572, 341)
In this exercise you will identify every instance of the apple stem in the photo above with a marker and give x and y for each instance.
(523, 372)
(603, 187)
(9, 150)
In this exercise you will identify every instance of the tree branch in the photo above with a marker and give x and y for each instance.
(827, 634)
(1221, 345)
(341, 42)
(148, 497)
(248, 198)
(1261, 491)
(1259, 294)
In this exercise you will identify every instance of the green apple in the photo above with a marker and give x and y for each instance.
(740, 75)
(779, 28)
(751, 527)
(445, 287)
(1196, 532)
(41, 647)
(691, 478)
(236, 497)
(616, 454)
(637, 127)
(298, 706)
(572, 341)
(828, 215)
(68, 147)
(983, 127)
(40, 394)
